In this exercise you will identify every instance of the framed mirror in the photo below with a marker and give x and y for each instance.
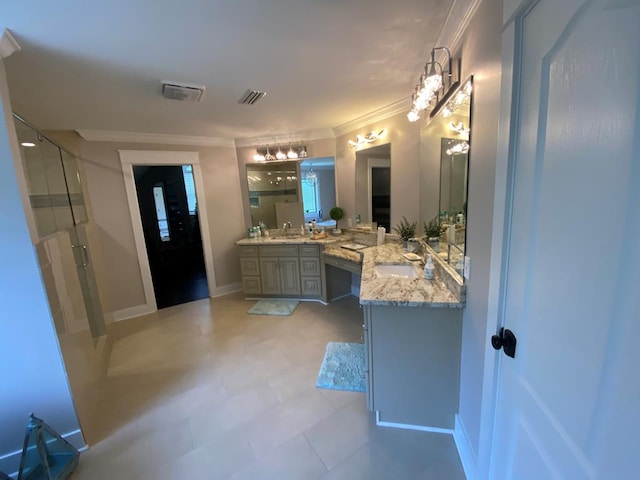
(293, 191)
(373, 186)
(455, 119)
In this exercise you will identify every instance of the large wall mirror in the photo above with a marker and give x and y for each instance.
(291, 191)
(373, 185)
(454, 119)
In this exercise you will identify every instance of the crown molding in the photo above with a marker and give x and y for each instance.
(156, 138)
(395, 108)
(458, 19)
(8, 44)
(296, 137)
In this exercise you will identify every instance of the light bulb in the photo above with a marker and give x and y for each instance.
(413, 116)
(291, 153)
(258, 157)
(280, 155)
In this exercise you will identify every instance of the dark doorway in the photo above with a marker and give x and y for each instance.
(381, 196)
(169, 213)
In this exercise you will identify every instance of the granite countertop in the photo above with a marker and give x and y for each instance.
(441, 292)
(293, 240)
(398, 291)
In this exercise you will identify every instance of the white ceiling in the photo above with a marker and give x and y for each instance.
(99, 65)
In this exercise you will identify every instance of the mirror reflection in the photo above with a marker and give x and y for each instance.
(373, 186)
(292, 192)
(455, 119)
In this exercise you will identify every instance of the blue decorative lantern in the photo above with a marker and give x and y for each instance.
(46, 455)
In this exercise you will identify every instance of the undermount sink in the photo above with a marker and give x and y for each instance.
(398, 271)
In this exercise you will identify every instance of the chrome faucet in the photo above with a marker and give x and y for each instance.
(286, 226)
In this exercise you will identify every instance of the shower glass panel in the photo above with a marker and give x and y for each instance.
(57, 201)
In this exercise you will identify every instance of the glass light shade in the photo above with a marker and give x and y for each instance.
(258, 157)
(280, 155)
(303, 152)
(269, 156)
(291, 153)
(413, 116)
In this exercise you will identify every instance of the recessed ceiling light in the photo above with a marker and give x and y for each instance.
(28, 144)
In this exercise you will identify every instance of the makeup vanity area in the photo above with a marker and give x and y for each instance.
(412, 326)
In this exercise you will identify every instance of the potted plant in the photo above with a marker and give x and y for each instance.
(432, 231)
(406, 230)
(336, 213)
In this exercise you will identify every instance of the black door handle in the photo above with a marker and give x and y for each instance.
(506, 340)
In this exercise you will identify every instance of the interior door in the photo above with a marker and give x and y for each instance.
(567, 404)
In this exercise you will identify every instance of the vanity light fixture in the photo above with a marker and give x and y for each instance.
(431, 84)
(367, 138)
(459, 148)
(264, 153)
(459, 127)
(462, 96)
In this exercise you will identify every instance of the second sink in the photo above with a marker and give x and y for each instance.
(399, 271)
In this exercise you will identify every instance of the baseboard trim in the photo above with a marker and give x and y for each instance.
(465, 452)
(132, 312)
(11, 461)
(227, 289)
(407, 426)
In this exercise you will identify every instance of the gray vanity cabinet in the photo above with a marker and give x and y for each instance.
(413, 364)
(310, 273)
(279, 270)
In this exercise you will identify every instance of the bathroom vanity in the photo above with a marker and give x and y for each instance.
(412, 326)
(413, 336)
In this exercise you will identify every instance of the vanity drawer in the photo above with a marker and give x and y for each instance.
(343, 264)
(279, 251)
(310, 266)
(250, 266)
(309, 250)
(248, 251)
(251, 285)
(311, 286)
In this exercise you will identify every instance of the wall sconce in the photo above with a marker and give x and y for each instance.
(367, 138)
(263, 154)
(432, 84)
(460, 97)
(458, 148)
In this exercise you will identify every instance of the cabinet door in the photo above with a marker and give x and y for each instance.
(251, 285)
(270, 276)
(249, 266)
(309, 267)
(289, 275)
(311, 286)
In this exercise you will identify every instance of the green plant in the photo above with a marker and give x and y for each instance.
(336, 213)
(405, 229)
(433, 229)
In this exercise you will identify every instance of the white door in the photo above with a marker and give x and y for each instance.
(568, 404)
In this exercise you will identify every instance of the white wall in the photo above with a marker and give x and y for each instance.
(481, 56)
(31, 367)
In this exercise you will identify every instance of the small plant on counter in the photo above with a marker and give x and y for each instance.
(433, 229)
(405, 229)
(336, 213)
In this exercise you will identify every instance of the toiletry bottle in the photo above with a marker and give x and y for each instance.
(429, 268)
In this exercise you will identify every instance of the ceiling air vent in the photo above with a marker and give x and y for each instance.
(251, 96)
(182, 91)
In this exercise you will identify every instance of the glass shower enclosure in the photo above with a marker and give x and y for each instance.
(57, 201)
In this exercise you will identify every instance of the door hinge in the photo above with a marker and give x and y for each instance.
(505, 340)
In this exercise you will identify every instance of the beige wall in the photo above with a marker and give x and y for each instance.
(105, 184)
(405, 157)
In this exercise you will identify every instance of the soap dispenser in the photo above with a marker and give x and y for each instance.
(429, 269)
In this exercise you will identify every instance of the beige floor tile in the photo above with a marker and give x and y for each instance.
(280, 424)
(294, 460)
(203, 390)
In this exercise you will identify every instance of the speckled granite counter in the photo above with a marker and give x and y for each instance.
(336, 250)
(293, 240)
(397, 291)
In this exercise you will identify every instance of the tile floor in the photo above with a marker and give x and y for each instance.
(205, 391)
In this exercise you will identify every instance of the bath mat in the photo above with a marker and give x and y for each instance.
(343, 367)
(273, 307)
